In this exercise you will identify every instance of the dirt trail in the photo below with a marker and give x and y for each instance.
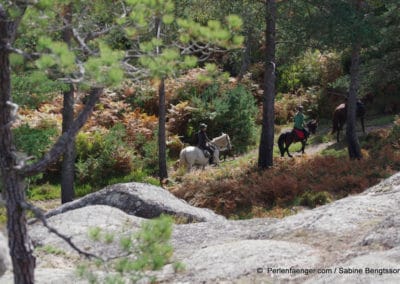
(317, 148)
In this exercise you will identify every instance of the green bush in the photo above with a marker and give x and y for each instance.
(231, 111)
(32, 89)
(148, 151)
(44, 192)
(314, 199)
(149, 249)
(101, 157)
(34, 141)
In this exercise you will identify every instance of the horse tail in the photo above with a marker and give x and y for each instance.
(182, 158)
(281, 142)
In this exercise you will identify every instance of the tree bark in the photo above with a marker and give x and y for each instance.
(354, 149)
(162, 149)
(353, 144)
(19, 243)
(266, 148)
(68, 159)
(162, 145)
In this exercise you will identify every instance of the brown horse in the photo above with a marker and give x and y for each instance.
(340, 115)
(289, 137)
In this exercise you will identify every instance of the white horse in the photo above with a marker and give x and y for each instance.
(191, 155)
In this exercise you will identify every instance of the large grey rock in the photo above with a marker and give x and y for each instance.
(5, 261)
(49, 276)
(359, 231)
(76, 224)
(142, 200)
(371, 268)
(188, 238)
(232, 260)
(386, 233)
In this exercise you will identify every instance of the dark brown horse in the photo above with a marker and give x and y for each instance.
(340, 115)
(289, 137)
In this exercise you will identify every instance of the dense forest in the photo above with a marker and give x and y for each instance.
(94, 93)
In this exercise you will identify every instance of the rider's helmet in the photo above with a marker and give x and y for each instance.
(300, 108)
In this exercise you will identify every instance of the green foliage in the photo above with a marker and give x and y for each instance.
(148, 151)
(30, 89)
(314, 199)
(106, 69)
(231, 111)
(94, 233)
(50, 250)
(34, 141)
(148, 249)
(159, 55)
(101, 157)
(303, 73)
(44, 192)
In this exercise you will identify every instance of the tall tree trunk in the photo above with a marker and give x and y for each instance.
(68, 159)
(351, 134)
(266, 149)
(14, 192)
(162, 151)
(162, 145)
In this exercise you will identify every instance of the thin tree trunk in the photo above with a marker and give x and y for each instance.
(266, 149)
(68, 159)
(162, 151)
(162, 145)
(351, 134)
(14, 192)
(246, 55)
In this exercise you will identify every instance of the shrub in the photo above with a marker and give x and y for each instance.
(44, 192)
(307, 181)
(149, 249)
(34, 141)
(32, 89)
(148, 152)
(232, 111)
(101, 157)
(313, 199)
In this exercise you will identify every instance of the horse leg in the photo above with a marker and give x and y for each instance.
(287, 149)
(303, 146)
(340, 126)
(362, 123)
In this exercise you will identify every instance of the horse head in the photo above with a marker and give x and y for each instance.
(312, 126)
(228, 141)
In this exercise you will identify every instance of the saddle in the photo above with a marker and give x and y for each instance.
(299, 134)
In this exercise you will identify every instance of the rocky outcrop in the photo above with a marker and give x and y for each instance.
(142, 200)
(353, 240)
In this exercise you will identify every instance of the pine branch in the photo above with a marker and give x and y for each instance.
(40, 216)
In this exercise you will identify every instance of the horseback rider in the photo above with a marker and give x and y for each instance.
(203, 141)
(299, 124)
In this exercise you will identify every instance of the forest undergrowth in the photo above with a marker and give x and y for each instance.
(240, 190)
